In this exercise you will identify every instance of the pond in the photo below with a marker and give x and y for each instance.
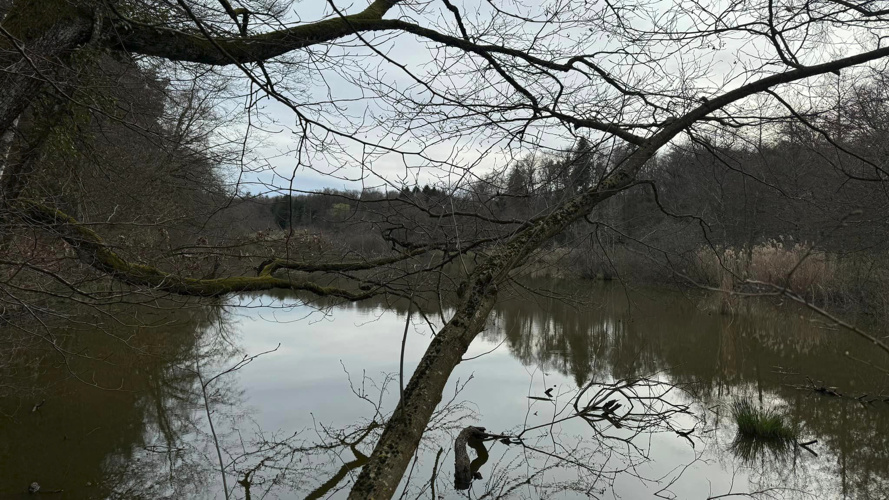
(295, 393)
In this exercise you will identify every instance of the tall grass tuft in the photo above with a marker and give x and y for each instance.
(760, 423)
(761, 430)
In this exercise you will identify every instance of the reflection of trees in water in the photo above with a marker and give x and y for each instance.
(858, 438)
(148, 438)
(547, 458)
(176, 455)
(778, 474)
(116, 405)
(124, 418)
(763, 349)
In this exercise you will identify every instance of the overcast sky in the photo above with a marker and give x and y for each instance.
(701, 70)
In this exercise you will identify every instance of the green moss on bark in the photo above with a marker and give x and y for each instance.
(93, 251)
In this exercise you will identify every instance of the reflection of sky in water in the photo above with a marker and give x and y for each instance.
(303, 385)
(370, 340)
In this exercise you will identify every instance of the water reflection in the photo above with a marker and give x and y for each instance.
(752, 450)
(764, 352)
(296, 423)
(116, 402)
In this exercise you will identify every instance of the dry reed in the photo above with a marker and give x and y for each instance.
(806, 272)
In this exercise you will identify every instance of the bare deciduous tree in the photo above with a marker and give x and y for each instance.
(633, 77)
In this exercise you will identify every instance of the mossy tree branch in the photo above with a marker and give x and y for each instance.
(92, 250)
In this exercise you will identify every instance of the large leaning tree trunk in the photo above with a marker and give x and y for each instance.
(381, 476)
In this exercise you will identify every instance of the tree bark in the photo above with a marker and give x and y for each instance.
(381, 475)
(36, 37)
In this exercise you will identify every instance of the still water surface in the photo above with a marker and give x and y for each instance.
(124, 415)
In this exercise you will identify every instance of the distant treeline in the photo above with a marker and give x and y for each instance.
(796, 186)
(781, 185)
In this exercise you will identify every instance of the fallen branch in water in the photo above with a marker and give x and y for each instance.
(634, 406)
(464, 471)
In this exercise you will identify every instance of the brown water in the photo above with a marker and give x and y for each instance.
(124, 415)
